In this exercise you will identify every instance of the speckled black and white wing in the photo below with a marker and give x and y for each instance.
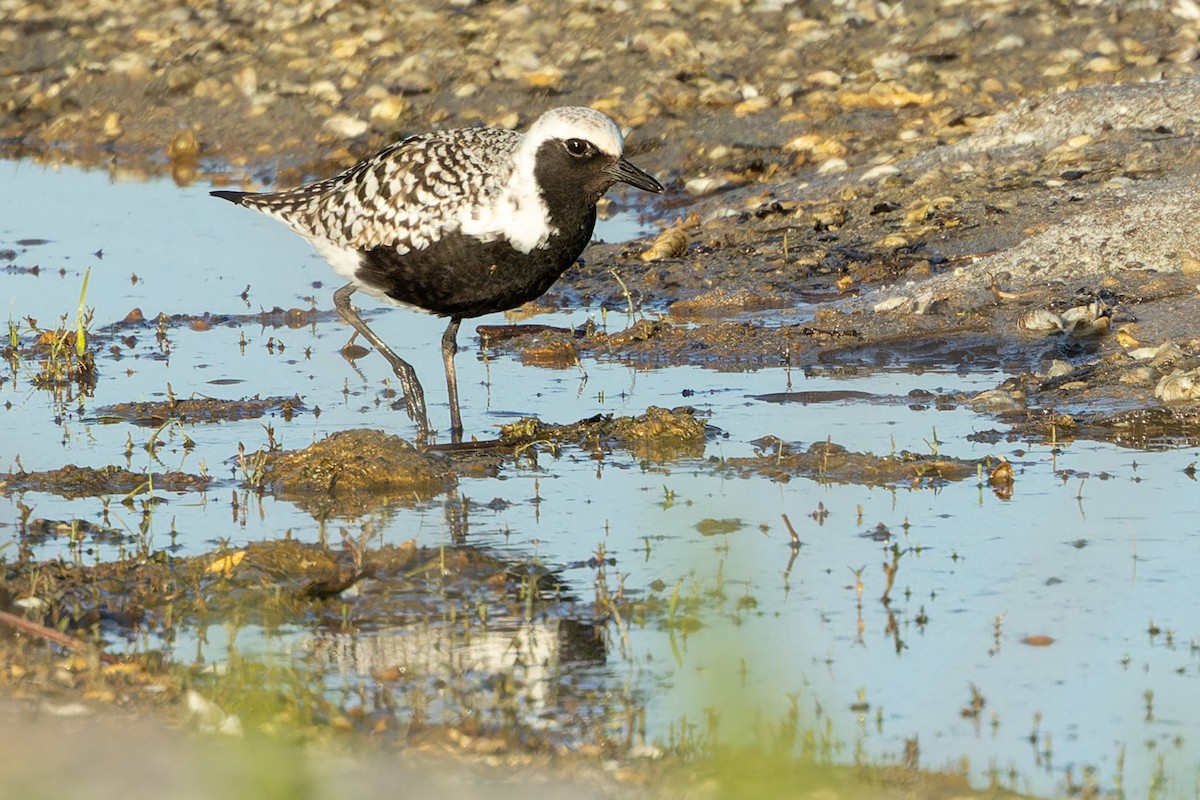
(406, 196)
(462, 222)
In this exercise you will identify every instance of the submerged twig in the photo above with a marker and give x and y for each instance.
(51, 635)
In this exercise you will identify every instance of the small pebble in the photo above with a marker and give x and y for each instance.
(345, 126)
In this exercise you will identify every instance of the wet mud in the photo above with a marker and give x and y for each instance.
(349, 473)
(193, 411)
(658, 435)
(823, 461)
(1007, 187)
(74, 481)
(904, 214)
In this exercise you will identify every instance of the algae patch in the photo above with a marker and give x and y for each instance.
(716, 527)
(198, 410)
(780, 461)
(351, 472)
(73, 481)
(658, 435)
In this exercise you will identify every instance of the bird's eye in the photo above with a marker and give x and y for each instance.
(577, 147)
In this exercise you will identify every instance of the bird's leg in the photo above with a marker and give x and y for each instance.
(414, 395)
(449, 348)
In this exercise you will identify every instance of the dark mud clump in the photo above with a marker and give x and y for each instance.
(350, 473)
(1153, 428)
(827, 461)
(721, 303)
(718, 344)
(73, 481)
(198, 410)
(658, 435)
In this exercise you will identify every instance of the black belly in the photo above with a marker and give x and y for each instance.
(461, 276)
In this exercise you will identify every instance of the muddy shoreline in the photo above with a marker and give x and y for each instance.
(1008, 186)
(923, 179)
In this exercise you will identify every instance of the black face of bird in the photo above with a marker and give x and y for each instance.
(577, 169)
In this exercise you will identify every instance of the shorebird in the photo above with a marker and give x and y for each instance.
(459, 223)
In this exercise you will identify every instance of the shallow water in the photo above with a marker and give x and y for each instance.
(1089, 551)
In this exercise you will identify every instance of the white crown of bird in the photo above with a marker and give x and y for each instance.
(576, 122)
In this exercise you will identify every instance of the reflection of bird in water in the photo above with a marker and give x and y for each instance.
(459, 223)
(581, 642)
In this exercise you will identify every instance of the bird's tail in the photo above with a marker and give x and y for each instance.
(233, 197)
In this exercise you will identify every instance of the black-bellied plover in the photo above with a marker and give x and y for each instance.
(459, 222)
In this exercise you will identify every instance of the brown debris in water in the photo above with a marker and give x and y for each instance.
(555, 351)
(658, 435)
(721, 302)
(199, 409)
(671, 243)
(1152, 428)
(64, 355)
(303, 572)
(641, 331)
(780, 461)
(73, 481)
(352, 472)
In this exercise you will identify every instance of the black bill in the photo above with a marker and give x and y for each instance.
(625, 172)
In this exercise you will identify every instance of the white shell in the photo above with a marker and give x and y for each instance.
(1177, 387)
(897, 303)
(1039, 319)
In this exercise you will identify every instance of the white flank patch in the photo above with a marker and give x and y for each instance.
(344, 260)
(519, 216)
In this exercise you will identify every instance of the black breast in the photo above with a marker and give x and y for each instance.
(461, 276)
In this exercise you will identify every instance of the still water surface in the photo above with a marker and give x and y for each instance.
(1095, 549)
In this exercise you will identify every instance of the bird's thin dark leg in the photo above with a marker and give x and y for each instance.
(414, 395)
(449, 348)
